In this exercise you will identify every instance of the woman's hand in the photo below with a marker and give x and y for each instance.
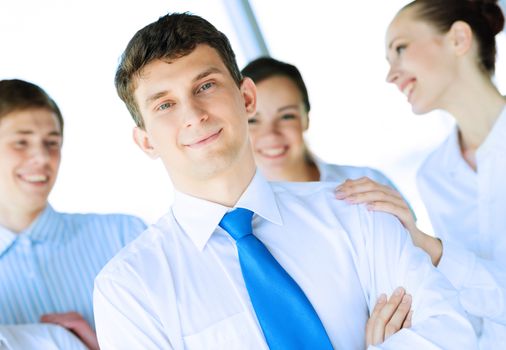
(388, 317)
(383, 198)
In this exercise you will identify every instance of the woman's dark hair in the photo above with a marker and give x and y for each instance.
(266, 67)
(485, 18)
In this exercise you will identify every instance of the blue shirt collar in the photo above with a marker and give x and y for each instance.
(199, 218)
(6, 239)
(48, 226)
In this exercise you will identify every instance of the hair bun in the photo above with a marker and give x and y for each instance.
(492, 12)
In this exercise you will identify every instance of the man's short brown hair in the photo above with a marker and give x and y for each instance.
(173, 36)
(18, 95)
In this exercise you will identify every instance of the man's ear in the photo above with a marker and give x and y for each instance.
(249, 93)
(141, 138)
(461, 37)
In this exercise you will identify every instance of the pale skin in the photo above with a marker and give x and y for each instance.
(195, 118)
(30, 153)
(276, 132)
(30, 143)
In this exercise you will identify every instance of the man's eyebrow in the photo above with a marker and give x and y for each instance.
(199, 76)
(30, 132)
(206, 73)
(155, 96)
(24, 132)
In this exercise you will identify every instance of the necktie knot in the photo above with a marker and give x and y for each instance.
(237, 223)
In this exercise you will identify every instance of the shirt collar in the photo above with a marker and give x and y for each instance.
(496, 139)
(41, 229)
(199, 218)
(6, 239)
(452, 157)
(47, 226)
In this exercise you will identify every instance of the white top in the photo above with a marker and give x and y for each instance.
(468, 212)
(38, 336)
(179, 285)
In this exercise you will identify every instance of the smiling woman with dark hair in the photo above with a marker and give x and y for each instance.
(442, 57)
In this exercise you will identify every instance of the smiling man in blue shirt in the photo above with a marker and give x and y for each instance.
(48, 260)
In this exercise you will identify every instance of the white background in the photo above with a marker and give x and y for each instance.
(71, 49)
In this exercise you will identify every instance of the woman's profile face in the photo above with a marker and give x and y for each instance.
(422, 63)
(276, 131)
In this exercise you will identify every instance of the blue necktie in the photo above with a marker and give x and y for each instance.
(287, 318)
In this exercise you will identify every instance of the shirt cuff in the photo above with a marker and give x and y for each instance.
(456, 264)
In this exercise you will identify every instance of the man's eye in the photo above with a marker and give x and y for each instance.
(20, 143)
(206, 86)
(165, 106)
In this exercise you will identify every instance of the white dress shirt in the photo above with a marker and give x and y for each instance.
(179, 285)
(38, 336)
(468, 212)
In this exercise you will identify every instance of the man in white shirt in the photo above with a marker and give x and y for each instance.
(181, 284)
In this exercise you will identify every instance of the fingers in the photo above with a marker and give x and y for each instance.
(388, 317)
(397, 320)
(362, 185)
(67, 319)
(378, 198)
(369, 328)
(76, 323)
(407, 321)
(401, 212)
(375, 196)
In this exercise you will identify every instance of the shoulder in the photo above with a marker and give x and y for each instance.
(136, 255)
(339, 173)
(318, 198)
(105, 221)
(302, 188)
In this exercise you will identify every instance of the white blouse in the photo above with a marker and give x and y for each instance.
(468, 212)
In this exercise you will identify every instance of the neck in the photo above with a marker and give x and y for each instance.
(225, 187)
(476, 105)
(16, 220)
(301, 171)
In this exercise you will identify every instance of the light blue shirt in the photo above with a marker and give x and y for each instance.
(50, 267)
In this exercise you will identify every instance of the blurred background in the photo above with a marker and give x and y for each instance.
(71, 49)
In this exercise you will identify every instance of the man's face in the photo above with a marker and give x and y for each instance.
(30, 152)
(195, 116)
